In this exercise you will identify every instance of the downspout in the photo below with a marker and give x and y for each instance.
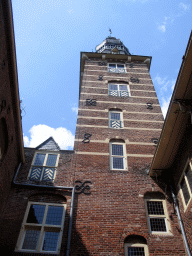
(71, 208)
(70, 222)
(180, 222)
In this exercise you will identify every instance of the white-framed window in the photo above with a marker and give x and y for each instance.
(116, 68)
(186, 185)
(117, 156)
(119, 90)
(115, 119)
(136, 249)
(44, 166)
(157, 216)
(42, 228)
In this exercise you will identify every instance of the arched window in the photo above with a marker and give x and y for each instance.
(115, 118)
(118, 160)
(135, 245)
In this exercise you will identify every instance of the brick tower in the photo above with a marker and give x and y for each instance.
(119, 122)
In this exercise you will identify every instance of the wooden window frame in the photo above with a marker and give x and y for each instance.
(124, 156)
(118, 90)
(188, 163)
(165, 217)
(44, 164)
(42, 227)
(116, 68)
(121, 118)
(127, 245)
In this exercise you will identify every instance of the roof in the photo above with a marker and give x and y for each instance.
(49, 144)
(177, 118)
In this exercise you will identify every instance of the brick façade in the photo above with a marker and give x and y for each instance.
(115, 208)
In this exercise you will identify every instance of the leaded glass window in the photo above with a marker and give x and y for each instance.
(136, 249)
(44, 167)
(117, 156)
(119, 90)
(116, 68)
(115, 119)
(186, 185)
(157, 215)
(43, 225)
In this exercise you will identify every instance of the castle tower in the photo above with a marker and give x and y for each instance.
(118, 126)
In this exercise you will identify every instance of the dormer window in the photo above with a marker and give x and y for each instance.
(44, 166)
(116, 68)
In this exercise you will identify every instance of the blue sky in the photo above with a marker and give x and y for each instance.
(50, 34)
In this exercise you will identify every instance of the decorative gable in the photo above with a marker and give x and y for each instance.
(49, 145)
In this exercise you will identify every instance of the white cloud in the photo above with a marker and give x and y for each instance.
(75, 109)
(184, 7)
(26, 141)
(165, 105)
(163, 26)
(165, 87)
(160, 80)
(39, 133)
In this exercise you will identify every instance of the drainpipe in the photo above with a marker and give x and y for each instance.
(70, 222)
(180, 222)
(71, 208)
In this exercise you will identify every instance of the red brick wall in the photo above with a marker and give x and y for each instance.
(10, 159)
(184, 155)
(115, 208)
(15, 208)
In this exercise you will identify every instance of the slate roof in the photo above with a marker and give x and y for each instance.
(49, 144)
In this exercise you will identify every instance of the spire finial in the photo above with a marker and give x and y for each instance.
(110, 31)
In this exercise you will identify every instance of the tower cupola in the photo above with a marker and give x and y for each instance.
(111, 45)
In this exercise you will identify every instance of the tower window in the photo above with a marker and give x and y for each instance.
(157, 215)
(42, 228)
(135, 245)
(186, 185)
(115, 119)
(44, 166)
(119, 90)
(116, 68)
(136, 249)
(117, 156)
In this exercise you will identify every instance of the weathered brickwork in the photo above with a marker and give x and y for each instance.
(184, 155)
(115, 208)
(9, 155)
(22, 193)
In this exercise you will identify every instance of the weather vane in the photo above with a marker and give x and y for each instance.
(110, 31)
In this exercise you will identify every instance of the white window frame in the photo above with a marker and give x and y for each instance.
(112, 156)
(121, 119)
(127, 245)
(42, 227)
(165, 217)
(188, 186)
(118, 90)
(116, 69)
(44, 164)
